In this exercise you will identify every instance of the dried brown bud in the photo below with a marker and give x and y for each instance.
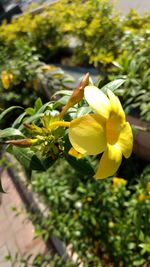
(22, 142)
(77, 94)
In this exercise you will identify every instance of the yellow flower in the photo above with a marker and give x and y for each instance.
(6, 79)
(118, 181)
(148, 187)
(142, 197)
(106, 131)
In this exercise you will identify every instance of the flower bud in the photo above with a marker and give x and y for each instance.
(22, 142)
(77, 94)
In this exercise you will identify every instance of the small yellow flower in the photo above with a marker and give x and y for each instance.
(106, 131)
(142, 197)
(46, 68)
(148, 188)
(6, 79)
(118, 181)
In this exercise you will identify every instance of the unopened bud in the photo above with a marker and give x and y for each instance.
(22, 142)
(77, 94)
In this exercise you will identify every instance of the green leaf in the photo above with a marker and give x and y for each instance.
(62, 101)
(27, 158)
(9, 132)
(5, 112)
(38, 104)
(83, 111)
(145, 246)
(83, 166)
(48, 162)
(113, 85)
(30, 111)
(68, 79)
(63, 92)
(33, 118)
(18, 120)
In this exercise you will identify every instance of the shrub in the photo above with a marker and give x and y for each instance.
(98, 218)
(30, 77)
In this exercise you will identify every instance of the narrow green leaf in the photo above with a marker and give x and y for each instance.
(33, 118)
(113, 85)
(5, 112)
(68, 79)
(44, 107)
(63, 92)
(18, 120)
(9, 132)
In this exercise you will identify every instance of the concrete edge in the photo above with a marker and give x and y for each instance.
(32, 203)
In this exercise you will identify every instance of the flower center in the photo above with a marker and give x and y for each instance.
(113, 128)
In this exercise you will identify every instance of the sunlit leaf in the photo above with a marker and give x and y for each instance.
(113, 85)
(9, 132)
(38, 103)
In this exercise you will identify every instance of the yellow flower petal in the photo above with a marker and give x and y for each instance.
(97, 100)
(116, 106)
(87, 134)
(74, 153)
(125, 140)
(110, 162)
(114, 127)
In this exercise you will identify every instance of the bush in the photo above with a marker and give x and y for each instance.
(24, 77)
(104, 221)
(133, 65)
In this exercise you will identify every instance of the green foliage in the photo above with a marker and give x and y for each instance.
(102, 220)
(30, 77)
(133, 65)
(36, 139)
(97, 218)
(118, 47)
(48, 260)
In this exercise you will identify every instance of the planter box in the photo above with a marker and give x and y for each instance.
(141, 139)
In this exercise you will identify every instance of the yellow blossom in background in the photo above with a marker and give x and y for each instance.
(118, 181)
(6, 79)
(105, 132)
(47, 68)
(142, 197)
(148, 187)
